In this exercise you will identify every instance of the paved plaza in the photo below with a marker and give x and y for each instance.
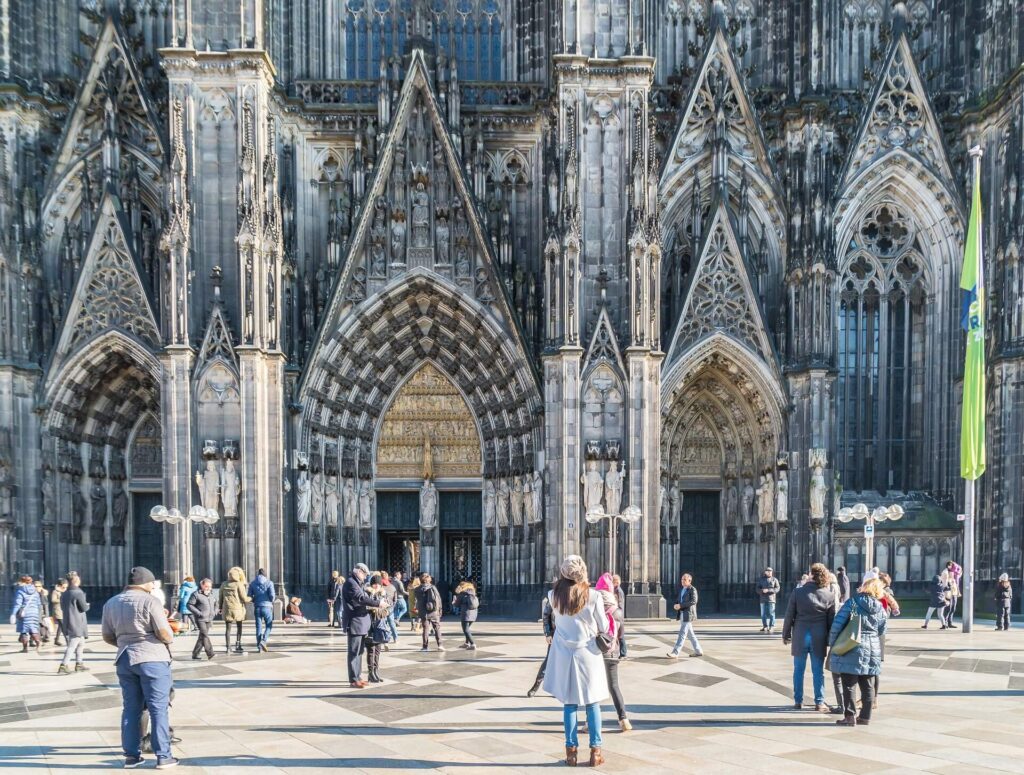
(950, 703)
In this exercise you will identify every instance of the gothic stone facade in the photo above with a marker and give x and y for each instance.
(424, 284)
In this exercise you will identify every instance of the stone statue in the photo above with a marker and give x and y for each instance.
(349, 504)
(209, 486)
(552, 192)
(230, 487)
(766, 499)
(317, 510)
(77, 507)
(818, 492)
(365, 503)
(98, 496)
(489, 504)
(731, 500)
(428, 459)
(420, 217)
(518, 500)
(504, 494)
(331, 499)
(593, 486)
(443, 235)
(664, 506)
(748, 501)
(613, 487)
(428, 505)
(119, 510)
(782, 498)
(675, 502)
(537, 496)
(398, 237)
(303, 493)
(49, 495)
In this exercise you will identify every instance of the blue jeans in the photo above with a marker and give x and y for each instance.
(393, 626)
(817, 672)
(686, 632)
(264, 621)
(401, 609)
(767, 614)
(145, 684)
(593, 724)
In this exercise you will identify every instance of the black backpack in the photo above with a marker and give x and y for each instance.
(429, 603)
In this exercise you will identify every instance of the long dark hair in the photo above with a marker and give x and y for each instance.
(570, 596)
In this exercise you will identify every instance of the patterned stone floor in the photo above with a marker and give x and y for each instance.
(951, 703)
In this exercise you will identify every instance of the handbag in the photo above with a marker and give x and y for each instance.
(604, 642)
(849, 636)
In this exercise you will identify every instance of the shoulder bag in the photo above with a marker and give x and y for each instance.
(850, 635)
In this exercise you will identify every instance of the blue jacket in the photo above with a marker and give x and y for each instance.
(184, 593)
(866, 658)
(27, 610)
(261, 590)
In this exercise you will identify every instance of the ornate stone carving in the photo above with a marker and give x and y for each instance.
(593, 486)
(613, 481)
(119, 513)
(766, 499)
(331, 500)
(489, 504)
(518, 498)
(428, 506)
(303, 497)
(782, 498)
(365, 503)
(98, 513)
(504, 503)
(230, 487)
(208, 483)
(817, 459)
(428, 407)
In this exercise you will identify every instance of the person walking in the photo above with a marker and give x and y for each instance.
(401, 599)
(391, 597)
(1003, 600)
(605, 586)
(74, 608)
(45, 623)
(135, 622)
(57, 613)
(469, 606)
(185, 592)
(233, 598)
(547, 617)
(25, 614)
(414, 614)
(858, 665)
(355, 620)
(620, 598)
(937, 599)
(333, 590)
(380, 631)
(687, 608)
(809, 616)
(953, 572)
(428, 603)
(575, 673)
(202, 609)
(262, 593)
(767, 590)
(844, 584)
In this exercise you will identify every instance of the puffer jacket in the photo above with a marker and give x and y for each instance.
(261, 590)
(185, 592)
(937, 592)
(1004, 594)
(233, 597)
(865, 658)
(467, 602)
(201, 606)
(26, 610)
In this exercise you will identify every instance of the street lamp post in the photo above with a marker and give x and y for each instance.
(629, 515)
(196, 515)
(880, 514)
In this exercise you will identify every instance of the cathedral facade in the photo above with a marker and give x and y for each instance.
(470, 285)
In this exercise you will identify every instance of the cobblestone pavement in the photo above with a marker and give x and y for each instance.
(950, 703)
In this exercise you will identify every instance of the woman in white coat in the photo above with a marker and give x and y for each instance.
(576, 674)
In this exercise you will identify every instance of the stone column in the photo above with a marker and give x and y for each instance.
(176, 422)
(563, 456)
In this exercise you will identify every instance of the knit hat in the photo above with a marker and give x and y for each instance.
(573, 568)
(375, 579)
(139, 575)
(1004, 576)
(868, 575)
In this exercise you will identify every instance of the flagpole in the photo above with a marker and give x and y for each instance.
(969, 494)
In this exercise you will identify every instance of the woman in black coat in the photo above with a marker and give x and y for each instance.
(468, 604)
(808, 619)
(937, 599)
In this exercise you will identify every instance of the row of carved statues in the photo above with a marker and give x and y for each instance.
(514, 500)
(81, 514)
(329, 498)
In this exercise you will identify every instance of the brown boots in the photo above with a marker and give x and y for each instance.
(596, 757)
(570, 755)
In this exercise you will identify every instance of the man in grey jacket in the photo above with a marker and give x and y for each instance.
(74, 606)
(203, 609)
(767, 590)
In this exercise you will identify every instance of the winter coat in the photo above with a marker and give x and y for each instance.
(334, 587)
(26, 610)
(1004, 594)
(468, 603)
(772, 585)
(688, 598)
(399, 586)
(55, 610)
(547, 618)
(44, 603)
(937, 592)
(865, 658)
(356, 602)
(233, 597)
(185, 592)
(810, 610)
(74, 607)
(844, 587)
(261, 590)
(575, 673)
(422, 591)
(200, 604)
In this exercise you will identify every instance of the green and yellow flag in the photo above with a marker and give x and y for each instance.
(972, 319)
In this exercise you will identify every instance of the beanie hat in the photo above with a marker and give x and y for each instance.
(573, 568)
(1004, 576)
(375, 579)
(139, 575)
(362, 566)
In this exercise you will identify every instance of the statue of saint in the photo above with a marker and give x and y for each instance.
(593, 486)
(518, 500)
(317, 510)
(331, 499)
(420, 216)
(428, 459)
(303, 493)
(209, 486)
(663, 504)
(98, 496)
(748, 501)
(428, 505)
(818, 493)
(49, 495)
(230, 487)
(489, 504)
(537, 495)
(365, 503)
(613, 487)
(731, 501)
(349, 502)
(782, 498)
(504, 495)
(766, 499)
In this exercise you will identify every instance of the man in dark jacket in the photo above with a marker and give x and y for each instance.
(808, 620)
(355, 620)
(937, 600)
(428, 603)
(767, 588)
(547, 616)
(261, 590)
(401, 598)
(687, 608)
(844, 584)
(333, 588)
(74, 606)
(203, 609)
